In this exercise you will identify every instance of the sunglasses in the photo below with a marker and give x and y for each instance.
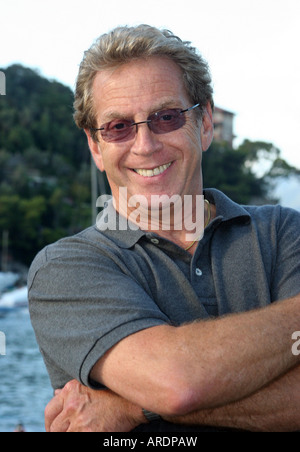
(163, 121)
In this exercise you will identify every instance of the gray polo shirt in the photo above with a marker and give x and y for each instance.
(89, 291)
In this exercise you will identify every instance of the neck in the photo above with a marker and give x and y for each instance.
(179, 220)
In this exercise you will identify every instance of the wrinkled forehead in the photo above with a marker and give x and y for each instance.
(144, 85)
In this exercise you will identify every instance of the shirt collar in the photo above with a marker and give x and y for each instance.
(226, 208)
(116, 227)
(126, 234)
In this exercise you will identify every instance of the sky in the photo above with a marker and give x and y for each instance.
(252, 47)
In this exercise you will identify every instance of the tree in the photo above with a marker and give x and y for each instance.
(245, 174)
(45, 174)
(226, 169)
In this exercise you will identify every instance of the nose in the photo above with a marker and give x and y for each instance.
(145, 142)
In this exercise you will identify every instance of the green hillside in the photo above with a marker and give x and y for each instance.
(45, 188)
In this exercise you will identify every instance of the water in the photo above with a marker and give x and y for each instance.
(24, 384)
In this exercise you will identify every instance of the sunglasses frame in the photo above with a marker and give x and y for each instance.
(149, 121)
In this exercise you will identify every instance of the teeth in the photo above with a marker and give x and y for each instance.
(154, 172)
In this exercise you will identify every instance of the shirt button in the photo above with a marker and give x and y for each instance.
(155, 241)
(198, 272)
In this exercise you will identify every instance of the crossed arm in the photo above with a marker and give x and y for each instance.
(236, 371)
(273, 408)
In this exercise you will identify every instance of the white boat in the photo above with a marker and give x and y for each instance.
(7, 280)
(17, 298)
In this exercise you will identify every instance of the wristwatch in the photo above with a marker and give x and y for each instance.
(150, 416)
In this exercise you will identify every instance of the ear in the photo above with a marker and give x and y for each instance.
(95, 150)
(207, 127)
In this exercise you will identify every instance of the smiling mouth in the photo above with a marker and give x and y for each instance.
(152, 172)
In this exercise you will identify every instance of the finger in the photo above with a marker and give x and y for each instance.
(52, 410)
(60, 424)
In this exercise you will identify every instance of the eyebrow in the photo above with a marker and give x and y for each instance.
(113, 115)
(165, 105)
(161, 106)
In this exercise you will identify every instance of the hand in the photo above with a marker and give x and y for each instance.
(76, 408)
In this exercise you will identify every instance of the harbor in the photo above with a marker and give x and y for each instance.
(25, 387)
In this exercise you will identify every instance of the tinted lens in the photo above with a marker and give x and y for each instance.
(161, 122)
(166, 121)
(118, 130)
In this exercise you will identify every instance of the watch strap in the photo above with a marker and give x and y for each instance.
(150, 416)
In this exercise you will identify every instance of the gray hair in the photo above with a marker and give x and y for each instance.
(124, 44)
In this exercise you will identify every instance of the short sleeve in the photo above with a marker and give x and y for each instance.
(82, 302)
(286, 271)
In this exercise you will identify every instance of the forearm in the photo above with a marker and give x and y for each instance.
(237, 371)
(274, 408)
(242, 353)
(177, 370)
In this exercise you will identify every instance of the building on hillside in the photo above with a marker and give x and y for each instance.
(223, 125)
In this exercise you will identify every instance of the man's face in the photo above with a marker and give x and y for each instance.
(134, 91)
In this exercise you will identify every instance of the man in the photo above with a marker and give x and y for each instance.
(179, 328)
